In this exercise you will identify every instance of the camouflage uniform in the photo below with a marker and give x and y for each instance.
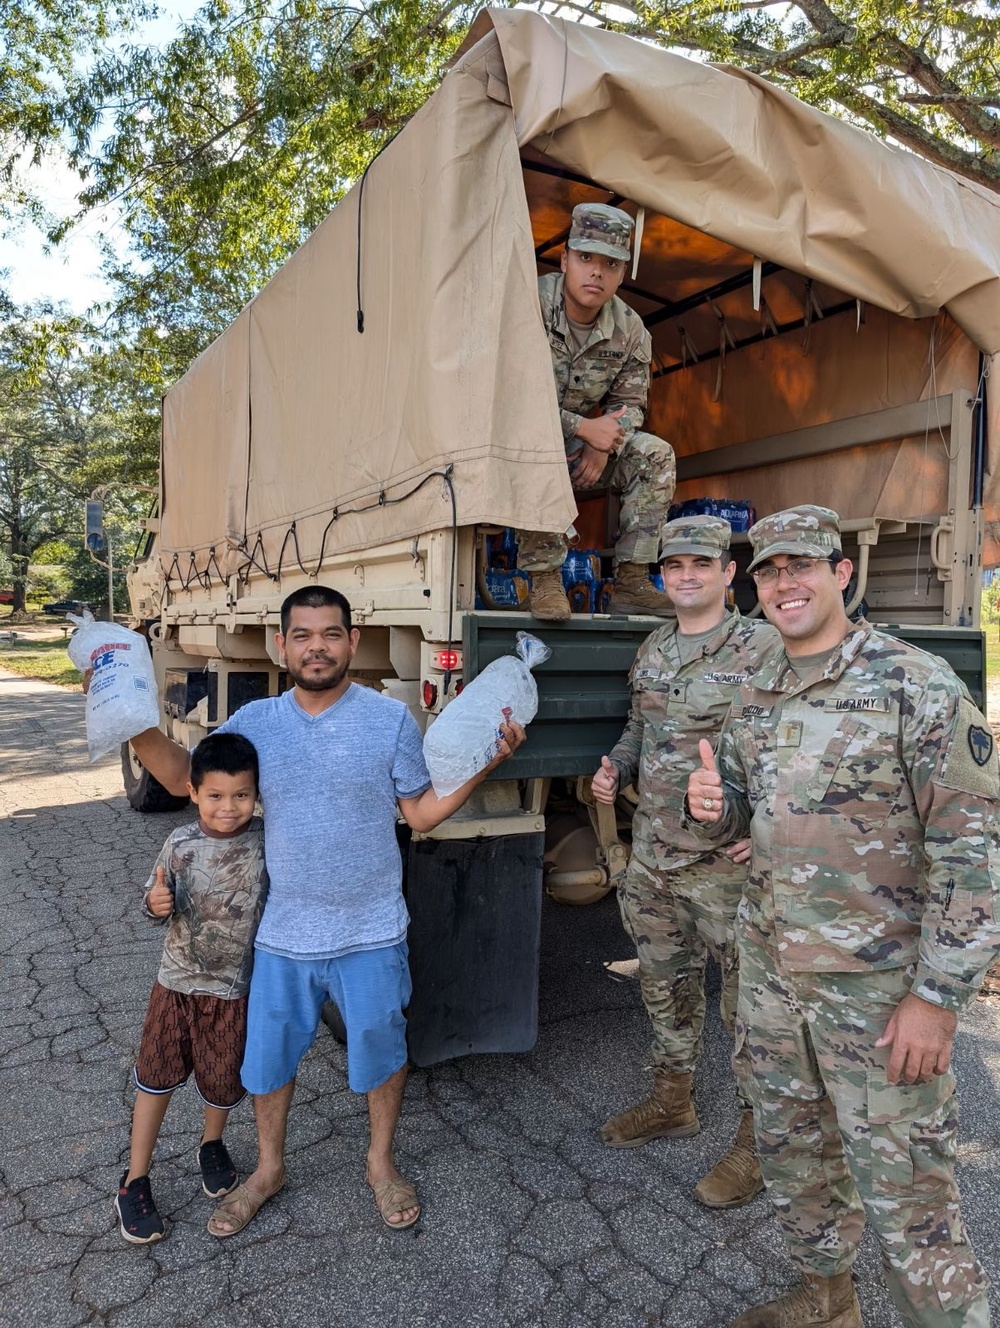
(870, 789)
(611, 371)
(678, 901)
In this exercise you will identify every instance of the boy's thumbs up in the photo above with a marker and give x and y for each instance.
(160, 899)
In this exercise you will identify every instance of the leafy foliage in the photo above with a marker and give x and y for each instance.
(233, 144)
(991, 602)
(73, 416)
(42, 45)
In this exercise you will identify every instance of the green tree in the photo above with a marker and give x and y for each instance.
(991, 602)
(81, 576)
(33, 502)
(44, 49)
(232, 144)
(74, 414)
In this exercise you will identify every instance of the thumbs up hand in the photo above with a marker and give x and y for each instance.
(604, 785)
(705, 796)
(160, 900)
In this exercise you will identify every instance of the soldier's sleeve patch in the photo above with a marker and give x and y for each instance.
(980, 744)
(970, 764)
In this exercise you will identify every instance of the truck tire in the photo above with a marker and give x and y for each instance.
(145, 793)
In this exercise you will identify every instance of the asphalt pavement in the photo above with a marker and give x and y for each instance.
(528, 1221)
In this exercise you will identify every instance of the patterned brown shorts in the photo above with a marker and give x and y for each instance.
(182, 1033)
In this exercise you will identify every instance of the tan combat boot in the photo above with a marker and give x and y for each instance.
(735, 1179)
(547, 598)
(634, 592)
(668, 1113)
(817, 1302)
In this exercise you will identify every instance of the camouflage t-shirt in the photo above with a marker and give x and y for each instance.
(219, 887)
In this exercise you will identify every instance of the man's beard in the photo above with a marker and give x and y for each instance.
(319, 683)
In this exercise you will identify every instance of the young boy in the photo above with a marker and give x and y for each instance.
(210, 881)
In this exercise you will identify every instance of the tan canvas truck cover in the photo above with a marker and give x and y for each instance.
(295, 417)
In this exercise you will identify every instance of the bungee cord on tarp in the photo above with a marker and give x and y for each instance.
(380, 498)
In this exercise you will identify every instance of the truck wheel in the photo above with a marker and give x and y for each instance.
(145, 793)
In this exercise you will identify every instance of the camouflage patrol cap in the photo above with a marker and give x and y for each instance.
(811, 531)
(600, 229)
(707, 536)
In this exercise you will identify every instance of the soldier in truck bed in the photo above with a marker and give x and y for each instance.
(600, 358)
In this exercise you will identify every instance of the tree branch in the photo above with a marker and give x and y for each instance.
(946, 98)
(922, 69)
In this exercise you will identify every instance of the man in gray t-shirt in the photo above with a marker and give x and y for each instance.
(336, 763)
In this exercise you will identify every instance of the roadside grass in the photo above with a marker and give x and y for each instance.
(992, 671)
(45, 660)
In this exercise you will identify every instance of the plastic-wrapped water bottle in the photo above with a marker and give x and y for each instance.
(466, 736)
(581, 574)
(507, 589)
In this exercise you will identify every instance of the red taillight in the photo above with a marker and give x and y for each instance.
(430, 695)
(448, 659)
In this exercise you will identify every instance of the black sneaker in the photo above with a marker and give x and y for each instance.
(138, 1219)
(218, 1175)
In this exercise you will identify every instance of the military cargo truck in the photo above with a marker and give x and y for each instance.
(823, 309)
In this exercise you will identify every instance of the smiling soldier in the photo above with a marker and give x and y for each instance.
(679, 897)
(869, 784)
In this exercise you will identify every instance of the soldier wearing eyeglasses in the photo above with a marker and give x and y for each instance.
(869, 784)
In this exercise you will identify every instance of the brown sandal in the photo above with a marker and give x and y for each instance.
(395, 1196)
(239, 1208)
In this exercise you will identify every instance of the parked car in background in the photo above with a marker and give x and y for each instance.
(6, 597)
(61, 607)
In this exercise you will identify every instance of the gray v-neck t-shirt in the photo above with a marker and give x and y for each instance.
(328, 787)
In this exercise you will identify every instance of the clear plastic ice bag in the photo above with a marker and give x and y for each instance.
(122, 700)
(465, 737)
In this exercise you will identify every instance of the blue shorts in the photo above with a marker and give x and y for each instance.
(371, 988)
